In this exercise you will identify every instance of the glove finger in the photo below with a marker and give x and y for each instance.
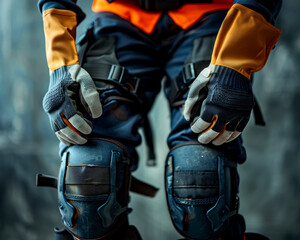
(70, 134)
(199, 125)
(238, 130)
(193, 95)
(234, 136)
(89, 95)
(205, 122)
(208, 136)
(222, 138)
(231, 126)
(219, 126)
(91, 101)
(64, 139)
(188, 106)
(80, 124)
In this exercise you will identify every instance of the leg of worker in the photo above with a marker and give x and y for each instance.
(94, 178)
(201, 180)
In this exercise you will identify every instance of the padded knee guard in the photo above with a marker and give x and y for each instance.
(201, 189)
(93, 189)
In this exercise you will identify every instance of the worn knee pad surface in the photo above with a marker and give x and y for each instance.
(93, 188)
(201, 189)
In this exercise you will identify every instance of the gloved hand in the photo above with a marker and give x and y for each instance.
(226, 109)
(69, 87)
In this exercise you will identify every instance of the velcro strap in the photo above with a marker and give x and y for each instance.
(92, 180)
(87, 180)
(196, 184)
(88, 174)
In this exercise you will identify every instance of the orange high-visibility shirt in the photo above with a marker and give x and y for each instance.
(184, 17)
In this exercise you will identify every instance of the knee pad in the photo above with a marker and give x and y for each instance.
(201, 189)
(93, 189)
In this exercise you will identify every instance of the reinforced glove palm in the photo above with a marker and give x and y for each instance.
(226, 110)
(71, 86)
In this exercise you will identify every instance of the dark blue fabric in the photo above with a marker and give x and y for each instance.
(237, 229)
(268, 8)
(62, 4)
(150, 57)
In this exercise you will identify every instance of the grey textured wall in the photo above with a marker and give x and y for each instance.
(270, 178)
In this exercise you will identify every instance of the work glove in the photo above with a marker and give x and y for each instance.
(71, 88)
(226, 109)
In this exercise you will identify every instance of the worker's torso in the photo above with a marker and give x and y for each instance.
(185, 16)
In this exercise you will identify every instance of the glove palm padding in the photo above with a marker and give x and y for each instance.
(70, 86)
(226, 109)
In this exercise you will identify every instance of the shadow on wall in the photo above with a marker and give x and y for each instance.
(269, 179)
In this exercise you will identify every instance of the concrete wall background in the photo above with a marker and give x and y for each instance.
(269, 179)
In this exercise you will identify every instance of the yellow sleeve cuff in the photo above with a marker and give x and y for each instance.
(60, 34)
(244, 41)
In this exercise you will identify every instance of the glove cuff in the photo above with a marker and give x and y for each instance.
(60, 34)
(231, 78)
(244, 41)
(59, 74)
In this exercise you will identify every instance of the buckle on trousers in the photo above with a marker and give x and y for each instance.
(121, 75)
